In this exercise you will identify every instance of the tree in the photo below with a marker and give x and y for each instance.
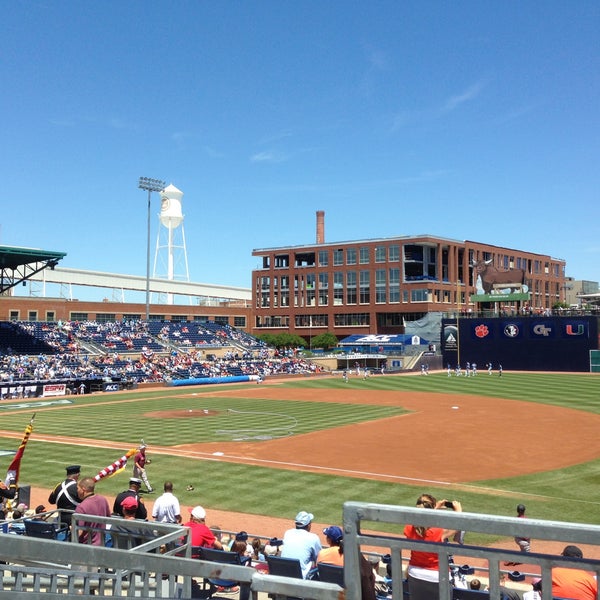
(325, 341)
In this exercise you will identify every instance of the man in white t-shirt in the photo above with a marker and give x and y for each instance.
(166, 507)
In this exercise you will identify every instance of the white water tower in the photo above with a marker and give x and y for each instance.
(170, 260)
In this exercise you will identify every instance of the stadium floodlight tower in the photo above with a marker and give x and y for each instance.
(150, 185)
(170, 260)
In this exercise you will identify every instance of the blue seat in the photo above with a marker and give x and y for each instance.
(43, 529)
(212, 584)
(331, 573)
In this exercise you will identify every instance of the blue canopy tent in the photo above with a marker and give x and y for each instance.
(381, 342)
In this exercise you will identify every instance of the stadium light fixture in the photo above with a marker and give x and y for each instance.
(149, 185)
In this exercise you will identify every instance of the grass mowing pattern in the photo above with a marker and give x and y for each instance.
(237, 418)
(570, 391)
(562, 495)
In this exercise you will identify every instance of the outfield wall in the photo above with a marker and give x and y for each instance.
(521, 343)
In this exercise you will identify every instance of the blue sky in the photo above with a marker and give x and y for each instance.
(467, 120)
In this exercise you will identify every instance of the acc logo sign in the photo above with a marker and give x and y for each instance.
(541, 329)
(374, 338)
(111, 387)
(511, 330)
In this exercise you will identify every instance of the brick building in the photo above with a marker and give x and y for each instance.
(374, 286)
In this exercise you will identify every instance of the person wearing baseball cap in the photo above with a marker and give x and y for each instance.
(524, 543)
(141, 512)
(202, 536)
(573, 583)
(300, 543)
(334, 554)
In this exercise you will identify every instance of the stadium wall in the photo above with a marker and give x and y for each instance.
(521, 343)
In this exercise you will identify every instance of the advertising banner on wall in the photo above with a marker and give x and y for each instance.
(54, 389)
(522, 343)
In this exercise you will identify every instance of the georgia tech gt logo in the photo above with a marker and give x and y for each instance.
(541, 329)
(511, 330)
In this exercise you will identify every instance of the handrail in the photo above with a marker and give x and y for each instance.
(355, 514)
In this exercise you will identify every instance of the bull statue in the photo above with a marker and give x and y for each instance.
(496, 281)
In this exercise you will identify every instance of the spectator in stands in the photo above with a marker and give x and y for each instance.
(65, 494)
(573, 583)
(133, 491)
(166, 509)
(91, 504)
(334, 555)
(424, 566)
(127, 536)
(300, 543)
(474, 584)
(536, 590)
(201, 535)
(258, 551)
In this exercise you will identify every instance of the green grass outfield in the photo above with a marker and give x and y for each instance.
(566, 495)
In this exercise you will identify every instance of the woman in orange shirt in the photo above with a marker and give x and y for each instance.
(425, 565)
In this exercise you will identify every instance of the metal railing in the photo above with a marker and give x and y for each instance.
(41, 569)
(356, 515)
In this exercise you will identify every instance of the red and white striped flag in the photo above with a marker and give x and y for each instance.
(15, 466)
(115, 467)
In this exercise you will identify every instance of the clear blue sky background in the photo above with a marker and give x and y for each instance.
(468, 120)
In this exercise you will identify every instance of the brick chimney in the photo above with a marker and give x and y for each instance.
(320, 227)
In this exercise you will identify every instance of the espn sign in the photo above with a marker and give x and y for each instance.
(54, 389)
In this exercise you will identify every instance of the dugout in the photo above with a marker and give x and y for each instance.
(521, 343)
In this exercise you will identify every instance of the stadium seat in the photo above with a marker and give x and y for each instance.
(331, 573)
(214, 584)
(285, 567)
(45, 530)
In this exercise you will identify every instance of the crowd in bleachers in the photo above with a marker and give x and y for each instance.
(136, 351)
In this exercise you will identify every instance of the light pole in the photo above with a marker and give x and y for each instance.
(150, 185)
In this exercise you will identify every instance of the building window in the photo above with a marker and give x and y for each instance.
(78, 316)
(13, 315)
(179, 318)
(351, 256)
(380, 254)
(365, 287)
(352, 320)
(200, 319)
(418, 295)
(282, 261)
(394, 253)
(132, 317)
(50, 316)
(222, 320)
(394, 286)
(32, 315)
(380, 285)
(323, 289)
(364, 256)
(351, 287)
(239, 322)
(265, 292)
(106, 317)
(311, 321)
(338, 257)
(310, 290)
(338, 288)
(323, 258)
